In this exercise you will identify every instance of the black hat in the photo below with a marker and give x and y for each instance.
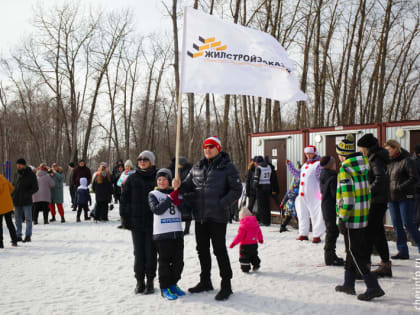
(367, 141)
(417, 149)
(259, 159)
(21, 161)
(327, 161)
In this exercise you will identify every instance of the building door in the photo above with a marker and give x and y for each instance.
(276, 151)
(331, 142)
(414, 139)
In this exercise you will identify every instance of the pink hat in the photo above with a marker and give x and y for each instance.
(310, 149)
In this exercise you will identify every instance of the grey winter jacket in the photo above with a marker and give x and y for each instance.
(45, 183)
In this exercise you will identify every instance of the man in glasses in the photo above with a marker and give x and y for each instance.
(215, 184)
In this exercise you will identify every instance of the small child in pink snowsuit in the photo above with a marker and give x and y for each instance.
(249, 234)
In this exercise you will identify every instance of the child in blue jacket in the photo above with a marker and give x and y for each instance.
(83, 199)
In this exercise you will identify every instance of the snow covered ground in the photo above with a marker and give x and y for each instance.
(87, 268)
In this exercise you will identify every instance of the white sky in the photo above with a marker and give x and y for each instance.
(15, 17)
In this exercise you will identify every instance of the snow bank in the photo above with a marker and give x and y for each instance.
(87, 268)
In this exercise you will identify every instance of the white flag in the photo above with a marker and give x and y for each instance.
(225, 58)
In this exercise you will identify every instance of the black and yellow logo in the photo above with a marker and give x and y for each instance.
(205, 44)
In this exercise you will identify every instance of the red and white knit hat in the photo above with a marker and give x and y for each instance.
(310, 149)
(214, 140)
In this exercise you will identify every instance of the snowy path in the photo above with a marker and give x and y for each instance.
(86, 268)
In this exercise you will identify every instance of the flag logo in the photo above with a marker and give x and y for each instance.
(205, 44)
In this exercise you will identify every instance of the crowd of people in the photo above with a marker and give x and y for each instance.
(154, 202)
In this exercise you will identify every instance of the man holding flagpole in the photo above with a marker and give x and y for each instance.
(215, 185)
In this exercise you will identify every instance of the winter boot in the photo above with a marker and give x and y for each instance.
(1, 244)
(150, 289)
(400, 256)
(176, 290)
(316, 240)
(203, 285)
(168, 294)
(78, 219)
(348, 286)
(63, 220)
(140, 287)
(331, 259)
(373, 288)
(27, 239)
(52, 219)
(14, 244)
(19, 239)
(225, 291)
(283, 228)
(302, 238)
(384, 270)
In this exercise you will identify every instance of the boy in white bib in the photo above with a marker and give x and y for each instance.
(168, 234)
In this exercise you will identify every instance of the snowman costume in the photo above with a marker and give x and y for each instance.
(308, 202)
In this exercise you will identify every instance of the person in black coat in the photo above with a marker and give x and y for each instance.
(26, 185)
(263, 184)
(328, 185)
(379, 188)
(416, 159)
(137, 217)
(184, 168)
(403, 179)
(215, 184)
(102, 187)
(250, 189)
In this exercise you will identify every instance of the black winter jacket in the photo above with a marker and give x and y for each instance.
(251, 189)
(134, 206)
(328, 185)
(103, 191)
(26, 185)
(215, 185)
(403, 177)
(417, 164)
(378, 178)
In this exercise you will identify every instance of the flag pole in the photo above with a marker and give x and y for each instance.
(179, 112)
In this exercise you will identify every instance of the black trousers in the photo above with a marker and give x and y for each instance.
(171, 261)
(332, 232)
(263, 202)
(251, 203)
(376, 230)
(85, 208)
(216, 233)
(101, 212)
(248, 255)
(10, 226)
(357, 250)
(187, 226)
(73, 190)
(145, 255)
(417, 210)
(41, 206)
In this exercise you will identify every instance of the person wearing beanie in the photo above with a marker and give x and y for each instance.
(403, 177)
(128, 170)
(263, 187)
(26, 185)
(249, 235)
(379, 188)
(215, 185)
(168, 236)
(416, 158)
(250, 188)
(353, 201)
(83, 199)
(308, 203)
(328, 185)
(287, 205)
(57, 193)
(137, 217)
